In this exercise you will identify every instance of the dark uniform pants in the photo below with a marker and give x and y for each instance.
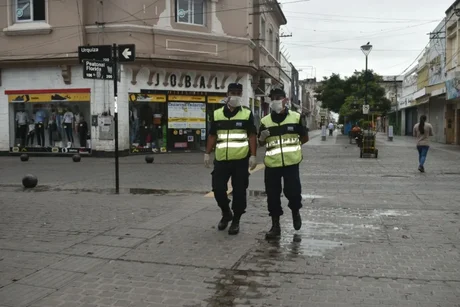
(238, 171)
(292, 188)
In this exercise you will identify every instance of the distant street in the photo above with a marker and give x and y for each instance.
(376, 232)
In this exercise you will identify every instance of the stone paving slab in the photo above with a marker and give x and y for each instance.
(17, 295)
(78, 264)
(50, 278)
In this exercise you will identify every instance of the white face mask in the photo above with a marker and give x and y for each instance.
(234, 101)
(277, 106)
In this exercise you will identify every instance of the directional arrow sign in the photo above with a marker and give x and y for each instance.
(126, 53)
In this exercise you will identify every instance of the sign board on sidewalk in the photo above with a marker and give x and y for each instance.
(126, 53)
(98, 70)
(97, 53)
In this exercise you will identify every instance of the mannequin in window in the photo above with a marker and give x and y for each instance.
(76, 121)
(134, 121)
(31, 133)
(59, 116)
(82, 130)
(21, 123)
(68, 121)
(143, 132)
(40, 119)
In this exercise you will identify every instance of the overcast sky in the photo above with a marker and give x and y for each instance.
(327, 34)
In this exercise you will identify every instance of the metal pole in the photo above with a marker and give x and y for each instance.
(365, 93)
(115, 98)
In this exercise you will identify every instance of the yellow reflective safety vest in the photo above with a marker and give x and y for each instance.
(232, 136)
(283, 144)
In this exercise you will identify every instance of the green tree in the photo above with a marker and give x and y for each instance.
(331, 92)
(343, 95)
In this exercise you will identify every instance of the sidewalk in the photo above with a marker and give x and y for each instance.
(408, 141)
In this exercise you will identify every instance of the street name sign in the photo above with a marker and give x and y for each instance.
(98, 70)
(126, 53)
(97, 53)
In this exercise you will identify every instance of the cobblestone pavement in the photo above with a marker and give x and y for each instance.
(376, 233)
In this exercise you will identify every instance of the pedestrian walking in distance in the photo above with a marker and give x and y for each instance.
(283, 134)
(422, 131)
(331, 128)
(234, 137)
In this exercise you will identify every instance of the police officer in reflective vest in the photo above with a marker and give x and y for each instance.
(234, 137)
(283, 134)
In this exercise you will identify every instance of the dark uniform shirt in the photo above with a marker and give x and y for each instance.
(279, 118)
(251, 128)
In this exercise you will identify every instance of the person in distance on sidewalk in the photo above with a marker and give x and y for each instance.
(283, 135)
(234, 136)
(422, 131)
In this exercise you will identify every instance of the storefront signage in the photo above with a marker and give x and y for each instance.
(184, 81)
(55, 150)
(452, 88)
(184, 115)
(215, 99)
(186, 98)
(51, 97)
(135, 97)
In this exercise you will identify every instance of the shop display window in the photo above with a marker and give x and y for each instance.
(147, 123)
(57, 126)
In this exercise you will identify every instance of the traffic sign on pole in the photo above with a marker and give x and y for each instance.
(97, 53)
(126, 53)
(366, 109)
(98, 70)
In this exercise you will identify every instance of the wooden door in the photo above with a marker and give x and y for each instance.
(458, 127)
(450, 124)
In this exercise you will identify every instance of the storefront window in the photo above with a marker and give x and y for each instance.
(257, 115)
(50, 122)
(186, 122)
(147, 123)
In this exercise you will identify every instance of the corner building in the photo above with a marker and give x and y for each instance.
(187, 52)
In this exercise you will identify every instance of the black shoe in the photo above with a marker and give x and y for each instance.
(296, 220)
(275, 231)
(421, 169)
(235, 226)
(227, 217)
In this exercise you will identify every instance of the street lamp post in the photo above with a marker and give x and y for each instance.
(366, 49)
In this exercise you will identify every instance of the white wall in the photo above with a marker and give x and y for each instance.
(50, 78)
(436, 56)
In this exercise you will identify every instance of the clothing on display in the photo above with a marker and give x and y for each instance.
(31, 134)
(68, 119)
(21, 120)
(83, 132)
(40, 131)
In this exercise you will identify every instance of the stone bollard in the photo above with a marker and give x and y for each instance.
(149, 159)
(29, 181)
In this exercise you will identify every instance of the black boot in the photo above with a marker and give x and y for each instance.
(227, 217)
(235, 226)
(296, 220)
(275, 231)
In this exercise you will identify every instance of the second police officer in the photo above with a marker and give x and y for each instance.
(283, 135)
(234, 137)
